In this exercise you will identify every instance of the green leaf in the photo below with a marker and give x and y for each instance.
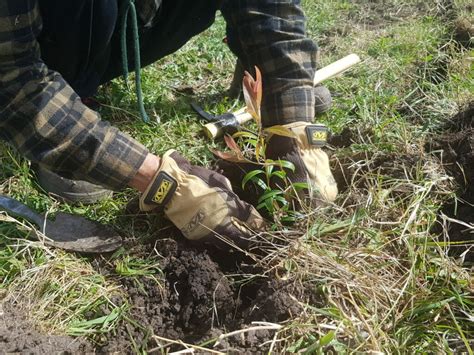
(260, 148)
(252, 142)
(269, 169)
(280, 131)
(288, 219)
(267, 204)
(101, 324)
(426, 307)
(286, 164)
(269, 195)
(262, 184)
(325, 340)
(279, 173)
(245, 134)
(298, 186)
(250, 175)
(296, 346)
(281, 199)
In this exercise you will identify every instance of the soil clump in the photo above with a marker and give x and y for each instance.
(206, 292)
(18, 335)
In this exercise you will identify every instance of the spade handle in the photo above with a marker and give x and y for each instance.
(216, 129)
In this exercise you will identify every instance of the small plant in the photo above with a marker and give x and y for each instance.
(138, 269)
(276, 192)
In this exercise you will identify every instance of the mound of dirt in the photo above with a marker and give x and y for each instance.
(455, 148)
(18, 335)
(464, 32)
(201, 299)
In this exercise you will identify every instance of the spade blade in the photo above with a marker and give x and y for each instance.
(66, 231)
(75, 233)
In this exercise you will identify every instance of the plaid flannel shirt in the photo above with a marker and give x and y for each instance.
(45, 120)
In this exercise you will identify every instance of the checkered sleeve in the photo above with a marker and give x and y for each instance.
(271, 34)
(45, 120)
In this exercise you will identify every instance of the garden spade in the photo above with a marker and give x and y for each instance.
(66, 231)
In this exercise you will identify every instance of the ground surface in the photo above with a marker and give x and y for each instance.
(387, 268)
(18, 335)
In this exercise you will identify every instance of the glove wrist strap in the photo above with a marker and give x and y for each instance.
(160, 191)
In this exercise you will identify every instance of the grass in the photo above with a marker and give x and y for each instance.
(385, 281)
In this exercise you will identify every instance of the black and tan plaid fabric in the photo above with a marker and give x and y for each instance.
(148, 10)
(271, 34)
(44, 119)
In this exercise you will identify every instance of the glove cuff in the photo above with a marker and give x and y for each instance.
(162, 188)
(311, 162)
(309, 135)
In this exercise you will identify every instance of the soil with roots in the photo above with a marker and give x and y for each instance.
(455, 148)
(204, 295)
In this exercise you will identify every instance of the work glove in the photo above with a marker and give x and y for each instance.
(200, 202)
(310, 161)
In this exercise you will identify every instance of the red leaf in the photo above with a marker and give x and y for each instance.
(253, 93)
(259, 87)
(230, 142)
(229, 156)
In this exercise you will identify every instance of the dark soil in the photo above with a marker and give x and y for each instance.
(18, 335)
(202, 298)
(455, 148)
(464, 32)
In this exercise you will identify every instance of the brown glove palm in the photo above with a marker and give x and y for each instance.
(200, 202)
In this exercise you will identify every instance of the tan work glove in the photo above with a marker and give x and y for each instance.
(311, 162)
(200, 202)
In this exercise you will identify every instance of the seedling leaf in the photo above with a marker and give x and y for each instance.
(269, 195)
(230, 142)
(286, 164)
(279, 173)
(228, 156)
(245, 134)
(253, 94)
(250, 176)
(280, 131)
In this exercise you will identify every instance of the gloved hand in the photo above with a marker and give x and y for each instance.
(311, 162)
(200, 202)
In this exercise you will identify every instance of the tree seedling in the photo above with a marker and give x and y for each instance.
(276, 192)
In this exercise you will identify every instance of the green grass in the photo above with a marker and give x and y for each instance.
(385, 279)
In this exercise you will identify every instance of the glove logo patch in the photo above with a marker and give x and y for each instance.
(195, 222)
(162, 190)
(317, 135)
